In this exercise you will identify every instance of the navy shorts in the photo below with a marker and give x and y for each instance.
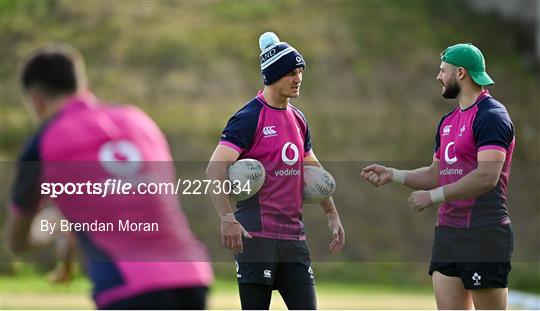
(274, 262)
(189, 298)
(480, 256)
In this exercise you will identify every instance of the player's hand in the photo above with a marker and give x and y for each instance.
(231, 234)
(377, 175)
(420, 200)
(338, 235)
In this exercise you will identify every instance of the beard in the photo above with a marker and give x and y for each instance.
(451, 90)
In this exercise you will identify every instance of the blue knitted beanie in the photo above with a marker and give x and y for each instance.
(277, 58)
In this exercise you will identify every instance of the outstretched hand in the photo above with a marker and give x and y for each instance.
(377, 175)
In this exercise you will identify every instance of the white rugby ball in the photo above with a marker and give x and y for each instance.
(247, 177)
(319, 184)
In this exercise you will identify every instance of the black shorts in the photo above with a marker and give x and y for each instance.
(189, 298)
(479, 256)
(274, 262)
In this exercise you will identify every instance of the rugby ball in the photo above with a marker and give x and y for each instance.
(247, 177)
(318, 184)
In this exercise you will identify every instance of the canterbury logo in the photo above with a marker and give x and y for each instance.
(446, 130)
(269, 131)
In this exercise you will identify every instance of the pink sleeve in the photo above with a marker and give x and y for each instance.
(231, 145)
(492, 147)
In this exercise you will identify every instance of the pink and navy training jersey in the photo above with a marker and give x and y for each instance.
(279, 139)
(90, 141)
(461, 134)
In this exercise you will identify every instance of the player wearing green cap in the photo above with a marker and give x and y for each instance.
(469, 176)
(469, 57)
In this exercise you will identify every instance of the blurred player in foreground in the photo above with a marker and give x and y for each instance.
(81, 139)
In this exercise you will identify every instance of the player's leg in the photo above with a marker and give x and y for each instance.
(299, 296)
(488, 280)
(450, 293)
(488, 283)
(255, 296)
(295, 280)
(490, 298)
(255, 283)
(255, 271)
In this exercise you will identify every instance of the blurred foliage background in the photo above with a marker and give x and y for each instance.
(369, 92)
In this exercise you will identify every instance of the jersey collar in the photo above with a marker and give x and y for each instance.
(261, 98)
(483, 95)
(82, 99)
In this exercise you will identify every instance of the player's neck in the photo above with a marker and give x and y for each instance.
(52, 109)
(468, 96)
(54, 105)
(274, 99)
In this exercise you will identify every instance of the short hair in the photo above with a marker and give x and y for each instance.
(55, 69)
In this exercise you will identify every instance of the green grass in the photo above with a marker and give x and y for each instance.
(32, 291)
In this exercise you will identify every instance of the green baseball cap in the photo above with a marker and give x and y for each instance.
(469, 57)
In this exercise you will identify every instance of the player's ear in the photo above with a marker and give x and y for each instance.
(461, 73)
(37, 103)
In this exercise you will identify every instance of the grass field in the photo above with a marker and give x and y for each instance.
(33, 292)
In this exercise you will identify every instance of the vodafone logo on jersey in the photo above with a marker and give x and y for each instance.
(285, 153)
(447, 158)
(289, 155)
(269, 131)
(120, 158)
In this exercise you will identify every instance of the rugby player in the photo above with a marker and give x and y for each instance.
(266, 232)
(81, 139)
(469, 174)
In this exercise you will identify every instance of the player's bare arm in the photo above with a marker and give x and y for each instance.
(18, 229)
(476, 183)
(424, 178)
(231, 230)
(329, 209)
